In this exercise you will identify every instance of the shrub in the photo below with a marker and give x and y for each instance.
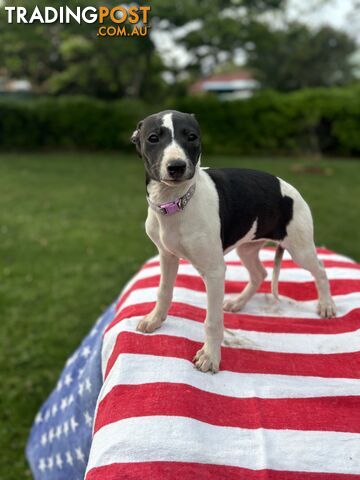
(311, 121)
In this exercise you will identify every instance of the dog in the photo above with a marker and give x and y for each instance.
(201, 214)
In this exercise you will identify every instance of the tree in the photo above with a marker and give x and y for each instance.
(286, 58)
(211, 30)
(71, 58)
(297, 57)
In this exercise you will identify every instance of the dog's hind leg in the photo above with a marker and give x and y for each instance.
(299, 242)
(306, 258)
(249, 256)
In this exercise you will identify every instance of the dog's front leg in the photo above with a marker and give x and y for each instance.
(169, 266)
(208, 357)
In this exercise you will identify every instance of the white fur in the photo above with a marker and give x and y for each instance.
(194, 234)
(167, 122)
(173, 150)
(300, 244)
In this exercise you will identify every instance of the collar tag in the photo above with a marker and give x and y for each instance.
(169, 208)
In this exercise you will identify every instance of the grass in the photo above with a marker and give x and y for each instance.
(71, 235)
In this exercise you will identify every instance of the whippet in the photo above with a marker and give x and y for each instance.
(200, 214)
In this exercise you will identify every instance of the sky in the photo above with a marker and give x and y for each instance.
(337, 13)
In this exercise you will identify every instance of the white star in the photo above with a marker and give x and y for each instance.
(81, 389)
(88, 418)
(47, 415)
(42, 464)
(79, 454)
(43, 439)
(88, 384)
(58, 431)
(81, 371)
(50, 462)
(63, 403)
(51, 435)
(73, 424)
(85, 352)
(68, 379)
(69, 458)
(59, 461)
(66, 427)
(38, 418)
(70, 399)
(59, 385)
(54, 409)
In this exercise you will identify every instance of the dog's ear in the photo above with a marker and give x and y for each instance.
(135, 137)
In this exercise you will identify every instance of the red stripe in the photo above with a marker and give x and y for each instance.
(316, 325)
(337, 414)
(334, 365)
(270, 264)
(298, 291)
(200, 471)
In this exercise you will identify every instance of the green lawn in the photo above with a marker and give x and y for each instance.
(71, 235)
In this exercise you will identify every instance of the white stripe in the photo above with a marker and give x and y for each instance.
(240, 274)
(181, 439)
(167, 122)
(136, 369)
(262, 304)
(267, 254)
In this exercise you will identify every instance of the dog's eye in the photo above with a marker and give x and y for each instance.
(153, 138)
(192, 137)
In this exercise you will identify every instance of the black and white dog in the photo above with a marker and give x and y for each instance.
(200, 214)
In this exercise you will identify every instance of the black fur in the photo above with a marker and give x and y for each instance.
(184, 125)
(246, 195)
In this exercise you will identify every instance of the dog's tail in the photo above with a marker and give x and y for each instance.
(276, 271)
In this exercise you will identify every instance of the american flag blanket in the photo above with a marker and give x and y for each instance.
(285, 405)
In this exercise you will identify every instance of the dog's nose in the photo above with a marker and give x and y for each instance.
(176, 168)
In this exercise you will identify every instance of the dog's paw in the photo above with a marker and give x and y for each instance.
(206, 361)
(234, 304)
(326, 308)
(149, 323)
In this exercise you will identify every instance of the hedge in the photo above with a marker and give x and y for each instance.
(308, 121)
(317, 121)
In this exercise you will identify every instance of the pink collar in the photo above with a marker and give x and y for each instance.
(175, 206)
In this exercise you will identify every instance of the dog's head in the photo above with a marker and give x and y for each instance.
(169, 143)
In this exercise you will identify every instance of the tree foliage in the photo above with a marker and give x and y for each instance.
(297, 57)
(72, 59)
(216, 28)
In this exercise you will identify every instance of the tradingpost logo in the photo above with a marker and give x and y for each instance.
(119, 21)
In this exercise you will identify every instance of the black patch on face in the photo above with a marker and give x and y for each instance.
(245, 196)
(151, 139)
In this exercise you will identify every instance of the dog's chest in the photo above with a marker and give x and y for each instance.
(176, 234)
(192, 231)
